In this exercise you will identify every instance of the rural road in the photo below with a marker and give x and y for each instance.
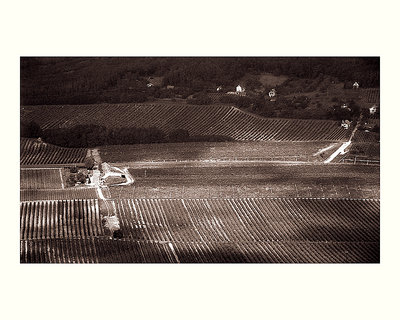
(343, 147)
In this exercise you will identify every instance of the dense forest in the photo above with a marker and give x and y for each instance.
(84, 80)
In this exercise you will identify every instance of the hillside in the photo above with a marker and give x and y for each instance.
(81, 80)
(207, 120)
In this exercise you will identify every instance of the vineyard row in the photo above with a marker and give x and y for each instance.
(33, 152)
(60, 219)
(198, 120)
(101, 250)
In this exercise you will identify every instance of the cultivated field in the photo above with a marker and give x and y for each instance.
(41, 179)
(198, 120)
(251, 179)
(60, 219)
(207, 230)
(34, 152)
(191, 151)
(269, 199)
(362, 136)
(57, 194)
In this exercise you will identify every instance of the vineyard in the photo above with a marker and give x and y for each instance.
(40, 179)
(363, 136)
(60, 219)
(34, 152)
(238, 179)
(236, 151)
(294, 230)
(198, 120)
(57, 194)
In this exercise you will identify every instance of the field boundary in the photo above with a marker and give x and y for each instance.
(51, 165)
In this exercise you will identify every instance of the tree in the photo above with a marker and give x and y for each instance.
(89, 162)
(179, 135)
(81, 177)
(30, 130)
(201, 98)
(117, 234)
(72, 179)
(253, 84)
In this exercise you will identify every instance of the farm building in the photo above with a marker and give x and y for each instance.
(219, 88)
(356, 85)
(346, 124)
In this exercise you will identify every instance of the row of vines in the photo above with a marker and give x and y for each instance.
(57, 194)
(34, 152)
(100, 250)
(60, 219)
(198, 120)
(204, 230)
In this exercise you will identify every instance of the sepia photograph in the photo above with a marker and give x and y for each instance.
(200, 159)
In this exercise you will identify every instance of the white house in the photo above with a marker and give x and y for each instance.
(373, 109)
(272, 93)
(356, 85)
(241, 91)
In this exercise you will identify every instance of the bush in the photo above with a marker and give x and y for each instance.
(200, 98)
(73, 169)
(228, 98)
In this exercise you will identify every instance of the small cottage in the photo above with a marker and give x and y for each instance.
(272, 93)
(241, 91)
(356, 85)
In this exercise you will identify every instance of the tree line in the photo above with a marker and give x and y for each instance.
(87, 136)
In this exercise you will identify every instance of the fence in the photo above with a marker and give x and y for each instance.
(357, 160)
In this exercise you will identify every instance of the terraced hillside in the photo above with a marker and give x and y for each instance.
(198, 120)
(35, 152)
(291, 230)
